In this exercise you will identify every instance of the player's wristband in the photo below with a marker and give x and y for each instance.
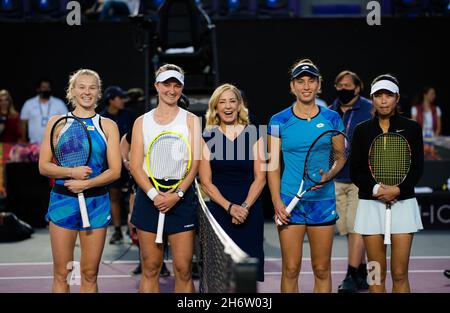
(375, 189)
(152, 193)
(229, 208)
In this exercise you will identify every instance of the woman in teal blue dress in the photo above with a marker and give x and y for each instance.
(233, 171)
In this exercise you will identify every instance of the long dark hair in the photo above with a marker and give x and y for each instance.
(418, 99)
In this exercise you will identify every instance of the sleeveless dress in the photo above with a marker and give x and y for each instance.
(232, 173)
(181, 217)
(64, 209)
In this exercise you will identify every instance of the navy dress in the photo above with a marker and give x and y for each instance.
(232, 173)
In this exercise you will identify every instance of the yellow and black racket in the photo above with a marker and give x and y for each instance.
(168, 160)
(389, 163)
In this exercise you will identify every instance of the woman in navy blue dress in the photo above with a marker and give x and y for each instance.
(233, 171)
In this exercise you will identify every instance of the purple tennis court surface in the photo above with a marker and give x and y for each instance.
(425, 275)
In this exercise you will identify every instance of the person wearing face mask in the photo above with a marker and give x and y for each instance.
(232, 171)
(37, 111)
(353, 109)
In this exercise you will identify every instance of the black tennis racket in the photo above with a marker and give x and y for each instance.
(326, 156)
(71, 146)
(389, 163)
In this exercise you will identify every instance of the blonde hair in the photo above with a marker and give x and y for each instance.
(11, 109)
(72, 80)
(212, 118)
(168, 67)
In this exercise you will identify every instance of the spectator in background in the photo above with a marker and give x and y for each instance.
(9, 119)
(37, 111)
(136, 101)
(321, 102)
(107, 10)
(428, 115)
(115, 100)
(353, 109)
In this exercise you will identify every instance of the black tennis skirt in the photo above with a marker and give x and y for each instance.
(182, 217)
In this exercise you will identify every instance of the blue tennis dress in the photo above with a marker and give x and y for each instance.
(297, 135)
(64, 210)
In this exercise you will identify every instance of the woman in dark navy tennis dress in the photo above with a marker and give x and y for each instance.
(232, 171)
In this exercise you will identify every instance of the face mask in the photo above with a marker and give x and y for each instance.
(345, 95)
(45, 94)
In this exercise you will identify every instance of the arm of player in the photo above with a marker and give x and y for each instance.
(137, 157)
(113, 159)
(46, 165)
(359, 170)
(417, 160)
(125, 152)
(274, 178)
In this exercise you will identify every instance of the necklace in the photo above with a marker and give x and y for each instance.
(308, 115)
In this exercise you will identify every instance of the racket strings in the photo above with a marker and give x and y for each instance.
(168, 158)
(71, 143)
(389, 159)
(324, 156)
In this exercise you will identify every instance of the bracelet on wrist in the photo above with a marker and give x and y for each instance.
(229, 208)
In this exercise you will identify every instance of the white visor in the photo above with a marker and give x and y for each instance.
(384, 85)
(170, 74)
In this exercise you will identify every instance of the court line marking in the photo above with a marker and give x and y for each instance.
(106, 262)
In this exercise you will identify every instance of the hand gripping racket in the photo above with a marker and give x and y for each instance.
(326, 156)
(389, 163)
(71, 146)
(168, 161)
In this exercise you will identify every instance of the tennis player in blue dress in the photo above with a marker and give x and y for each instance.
(103, 168)
(291, 132)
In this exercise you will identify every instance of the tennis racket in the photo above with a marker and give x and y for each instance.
(389, 163)
(168, 161)
(326, 156)
(71, 146)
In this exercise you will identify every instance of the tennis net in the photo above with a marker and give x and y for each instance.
(220, 260)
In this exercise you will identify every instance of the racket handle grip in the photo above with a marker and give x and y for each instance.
(83, 211)
(387, 226)
(290, 207)
(159, 232)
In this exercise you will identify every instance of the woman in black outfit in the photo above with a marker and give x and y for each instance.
(371, 209)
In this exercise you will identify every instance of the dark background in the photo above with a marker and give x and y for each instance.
(254, 54)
